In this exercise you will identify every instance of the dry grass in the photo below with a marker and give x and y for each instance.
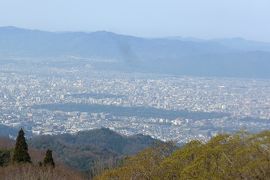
(31, 172)
(6, 143)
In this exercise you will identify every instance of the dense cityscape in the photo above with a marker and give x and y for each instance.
(50, 100)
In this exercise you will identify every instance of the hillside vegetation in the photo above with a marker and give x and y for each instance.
(98, 149)
(16, 163)
(238, 156)
(90, 152)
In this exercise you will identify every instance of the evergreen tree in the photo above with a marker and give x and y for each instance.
(48, 160)
(21, 149)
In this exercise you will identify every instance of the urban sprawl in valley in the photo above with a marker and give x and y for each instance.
(51, 100)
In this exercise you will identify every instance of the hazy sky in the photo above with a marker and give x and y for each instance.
(149, 18)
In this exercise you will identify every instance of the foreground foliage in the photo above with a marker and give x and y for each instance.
(238, 156)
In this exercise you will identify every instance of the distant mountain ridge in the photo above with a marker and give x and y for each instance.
(100, 44)
(234, 57)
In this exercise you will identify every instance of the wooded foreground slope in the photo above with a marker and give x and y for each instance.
(238, 156)
(84, 150)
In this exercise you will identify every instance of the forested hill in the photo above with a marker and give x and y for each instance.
(238, 156)
(85, 149)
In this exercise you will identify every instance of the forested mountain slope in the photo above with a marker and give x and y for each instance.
(238, 156)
